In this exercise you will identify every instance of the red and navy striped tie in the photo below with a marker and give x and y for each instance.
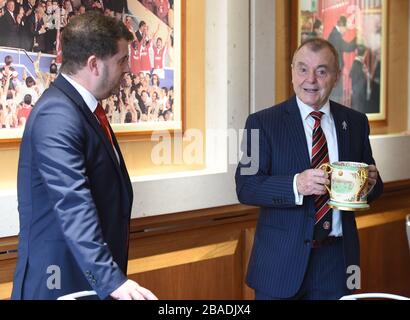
(320, 155)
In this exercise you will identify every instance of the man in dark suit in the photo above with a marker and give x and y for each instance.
(296, 253)
(74, 192)
(33, 32)
(359, 74)
(142, 31)
(341, 46)
(10, 26)
(29, 6)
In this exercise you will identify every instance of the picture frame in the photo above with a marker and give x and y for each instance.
(168, 95)
(358, 30)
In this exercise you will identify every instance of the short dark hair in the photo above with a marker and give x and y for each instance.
(317, 44)
(89, 34)
(128, 117)
(53, 68)
(361, 50)
(30, 82)
(141, 24)
(27, 99)
(342, 21)
(8, 60)
(139, 85)
(317, 24)
(158, 80)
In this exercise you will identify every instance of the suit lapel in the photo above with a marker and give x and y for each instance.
(125, 176)
(64, 86)
(342, 130)
(296, 132)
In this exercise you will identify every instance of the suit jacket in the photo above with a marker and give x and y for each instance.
(359, 87)
(139, 35)
(10, 30)
(284, 232)
(34, 30)
(341, 46)
(74, 201)
(28, 32)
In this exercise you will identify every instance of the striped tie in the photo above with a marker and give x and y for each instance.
(320, 155)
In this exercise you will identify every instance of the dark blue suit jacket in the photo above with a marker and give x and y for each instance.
(284, 232)
(74, 201)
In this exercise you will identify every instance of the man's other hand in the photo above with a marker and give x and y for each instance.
(130, 290)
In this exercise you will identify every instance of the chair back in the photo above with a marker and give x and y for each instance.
(408, 228)
(377, 295)
(79, 295)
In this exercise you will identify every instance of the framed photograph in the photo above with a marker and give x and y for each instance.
(357, 29)
(151, 95)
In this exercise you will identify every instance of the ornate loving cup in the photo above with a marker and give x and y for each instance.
(348, 185)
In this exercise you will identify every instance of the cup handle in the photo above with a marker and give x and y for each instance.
(363, 175)
(328, 169)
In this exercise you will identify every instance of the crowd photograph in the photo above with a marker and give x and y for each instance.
(30, 57)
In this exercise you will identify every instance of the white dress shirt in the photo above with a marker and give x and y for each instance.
(329, 129)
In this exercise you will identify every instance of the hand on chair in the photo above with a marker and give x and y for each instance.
(130, 290)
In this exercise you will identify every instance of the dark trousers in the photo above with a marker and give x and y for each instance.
(325, 277)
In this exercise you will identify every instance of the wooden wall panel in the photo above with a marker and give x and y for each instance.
(204, 254)
(249, 234)
(218, 278)
(385, 257)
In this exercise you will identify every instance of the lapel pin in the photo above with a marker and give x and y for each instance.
(344, 125)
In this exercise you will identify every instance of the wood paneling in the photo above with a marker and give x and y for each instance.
(247, 293)
(180, 257)
(216, 278)
(213, 273)
(385, 257)
(203, 254)
(5, 290)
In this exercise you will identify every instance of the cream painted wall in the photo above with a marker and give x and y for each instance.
(262, 54)
(225, 92)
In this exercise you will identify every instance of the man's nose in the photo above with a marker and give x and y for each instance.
(311, 76)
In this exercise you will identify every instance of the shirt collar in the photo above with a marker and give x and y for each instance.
(87, 96)
(305, 110)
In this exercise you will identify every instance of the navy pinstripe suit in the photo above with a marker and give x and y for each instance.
(282, 245)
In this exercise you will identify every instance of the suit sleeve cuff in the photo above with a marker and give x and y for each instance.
(298, 197)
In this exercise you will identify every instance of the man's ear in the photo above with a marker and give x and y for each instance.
(93, 65)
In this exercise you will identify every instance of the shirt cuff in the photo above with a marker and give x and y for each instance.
(298, 197)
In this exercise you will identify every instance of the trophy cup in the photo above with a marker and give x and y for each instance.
(348, 185)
